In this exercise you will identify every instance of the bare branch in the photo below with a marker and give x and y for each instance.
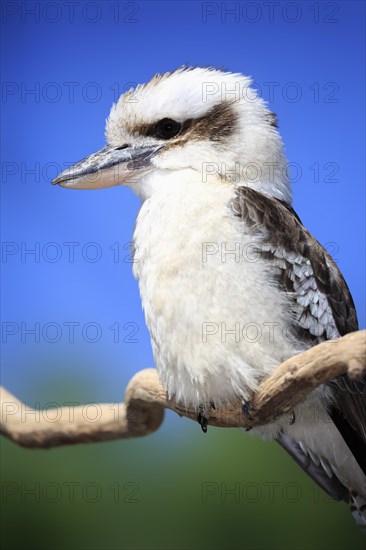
(143, 411)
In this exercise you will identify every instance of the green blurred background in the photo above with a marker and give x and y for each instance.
(175, 489)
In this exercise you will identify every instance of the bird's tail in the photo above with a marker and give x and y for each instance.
(358, 508)
(327, 481)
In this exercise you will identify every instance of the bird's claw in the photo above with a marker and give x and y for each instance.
(246, 408)
(202, 416)
(202, 420)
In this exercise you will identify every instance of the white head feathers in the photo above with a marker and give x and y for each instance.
(225, 127)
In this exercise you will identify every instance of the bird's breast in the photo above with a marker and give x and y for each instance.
(209, 306)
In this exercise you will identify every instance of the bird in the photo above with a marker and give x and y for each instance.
(231, 282)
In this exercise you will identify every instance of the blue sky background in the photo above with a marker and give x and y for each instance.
(312, 74)
(310, 54)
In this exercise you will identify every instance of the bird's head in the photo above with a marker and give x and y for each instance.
(203, 120)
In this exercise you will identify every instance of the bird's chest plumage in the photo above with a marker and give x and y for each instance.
(215, 319)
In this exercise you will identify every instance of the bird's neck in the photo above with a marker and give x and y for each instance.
(160, 181)
(278, 188)
(266, 175)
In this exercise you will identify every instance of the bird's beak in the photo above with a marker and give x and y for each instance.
(107, 167)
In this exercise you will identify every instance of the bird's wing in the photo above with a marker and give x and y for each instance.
(320, 299)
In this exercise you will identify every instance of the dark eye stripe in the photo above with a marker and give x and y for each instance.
(216, 125)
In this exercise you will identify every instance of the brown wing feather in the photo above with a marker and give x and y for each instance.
(285, 232)
(321, 299)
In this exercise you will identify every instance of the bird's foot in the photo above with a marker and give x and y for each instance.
(203, 414)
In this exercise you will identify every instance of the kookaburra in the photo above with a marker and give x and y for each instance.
(231, 282)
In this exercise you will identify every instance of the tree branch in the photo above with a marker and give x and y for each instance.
(145, 401)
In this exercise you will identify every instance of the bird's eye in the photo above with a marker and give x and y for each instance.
(167, 128)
